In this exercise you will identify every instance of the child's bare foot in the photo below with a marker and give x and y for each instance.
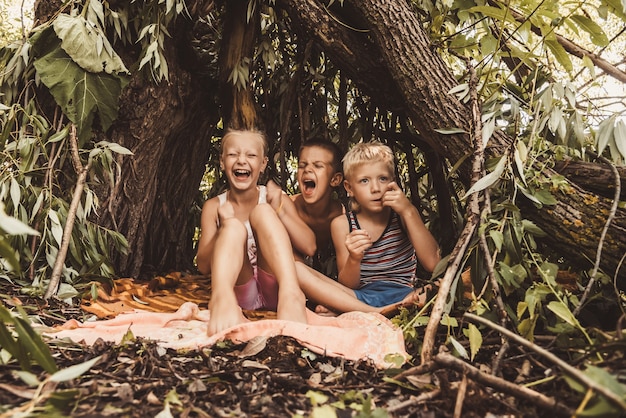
(291, 305)
(417, 298)
(225, 313)
(322, 310)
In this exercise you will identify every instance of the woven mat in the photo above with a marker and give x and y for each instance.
(162, 294)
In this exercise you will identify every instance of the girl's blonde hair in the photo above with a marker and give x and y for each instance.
(364, 153)
(255, 131)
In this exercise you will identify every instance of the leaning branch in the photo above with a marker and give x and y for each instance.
(449, 361)
(71, 216)
(466, 235)
(576, 374)
(574, 49)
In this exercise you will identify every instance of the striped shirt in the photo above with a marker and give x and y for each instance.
(391, 258)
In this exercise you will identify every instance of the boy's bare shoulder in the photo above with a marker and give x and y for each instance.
(339, 220)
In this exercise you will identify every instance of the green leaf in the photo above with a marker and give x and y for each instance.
(489, 179)
(594, 30)
(449, 321)
(33, 344)
(58, 136)
(476, 340)
(8, 253)
(74, 371)
(458, 347)
(531, 228)
(81, 94)
(497, 13)
(620, 137)
(117, 148)
(497, 238)
(545, 197)
(13, 226)
(606, 379)
(451, 131)
(87, 45)
(7, 341)
(605, 133)
(563, 312)
(560, 54)
(618, 6)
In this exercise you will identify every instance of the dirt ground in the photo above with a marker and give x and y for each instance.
(272, 377)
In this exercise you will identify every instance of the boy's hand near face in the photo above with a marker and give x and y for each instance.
(395, 198)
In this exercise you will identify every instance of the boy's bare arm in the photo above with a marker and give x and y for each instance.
(302, 237)
(208, 232)
(348, 266)
(426, 247)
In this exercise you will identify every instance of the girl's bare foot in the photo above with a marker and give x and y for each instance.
(291, 304)
(224, 313)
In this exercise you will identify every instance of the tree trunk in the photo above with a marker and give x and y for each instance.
(417, 79)
(596, 178)
(237, 52)
(168, 127)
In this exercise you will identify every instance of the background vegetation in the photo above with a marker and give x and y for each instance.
(111, 111)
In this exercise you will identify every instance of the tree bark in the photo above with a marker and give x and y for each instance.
(422, 81)
(239, 39)
(168, 127)
(596, 178)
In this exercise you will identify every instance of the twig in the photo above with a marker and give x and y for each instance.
(460, 397)
(495, 366)
(82, 172)
(419, 369)
(592, 279)
(570, 370)
(448, 360)
(617, 291)
(423, 397)
(444, 288)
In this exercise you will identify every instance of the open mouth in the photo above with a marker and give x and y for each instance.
(308, 186)
(241, 174)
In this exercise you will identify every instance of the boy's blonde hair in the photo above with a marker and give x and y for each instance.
(368, 152)
(364, 153)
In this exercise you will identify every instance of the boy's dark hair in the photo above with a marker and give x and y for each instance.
(328, 146)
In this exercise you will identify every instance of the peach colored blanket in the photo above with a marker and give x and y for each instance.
(353, 335)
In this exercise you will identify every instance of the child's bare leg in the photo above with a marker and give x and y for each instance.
(329, 293)
(275, 251)
(228, 260)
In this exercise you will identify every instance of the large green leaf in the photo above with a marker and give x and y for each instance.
(87, 45)
(74, 371)
(32, 343)
(594, 30)
(81, 94)
(559, 53)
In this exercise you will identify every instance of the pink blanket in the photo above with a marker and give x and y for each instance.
(353, 335)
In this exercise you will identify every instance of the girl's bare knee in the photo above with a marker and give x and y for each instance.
(234, 230)
(260, 214)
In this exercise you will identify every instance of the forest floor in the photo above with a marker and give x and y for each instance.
(281, 378)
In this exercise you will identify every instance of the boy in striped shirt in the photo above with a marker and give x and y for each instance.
(378, 242)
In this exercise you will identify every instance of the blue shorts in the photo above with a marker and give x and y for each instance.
(382, 293)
